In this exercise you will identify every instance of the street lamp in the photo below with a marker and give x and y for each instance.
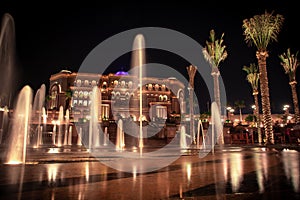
(286, 108)
(286, 113)
(228, 110)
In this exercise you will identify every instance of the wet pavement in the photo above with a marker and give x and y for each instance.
(230, 172)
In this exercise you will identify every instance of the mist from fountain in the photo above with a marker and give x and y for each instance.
(18, 134)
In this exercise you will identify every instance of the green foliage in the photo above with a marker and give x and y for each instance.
(251, 118)
(260, 30)
(252, 75)
(290, 63)
(239, 104)
(215, 52)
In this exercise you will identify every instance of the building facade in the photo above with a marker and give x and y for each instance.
(118, 98)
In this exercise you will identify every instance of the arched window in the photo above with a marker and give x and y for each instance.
(165, 98)
(160, 98)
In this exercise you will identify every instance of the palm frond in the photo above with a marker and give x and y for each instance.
(290, 63)
(214, 51)
(262, 29)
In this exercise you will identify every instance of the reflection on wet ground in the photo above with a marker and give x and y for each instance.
(230, 173)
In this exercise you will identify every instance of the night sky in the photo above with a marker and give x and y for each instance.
(52, 36)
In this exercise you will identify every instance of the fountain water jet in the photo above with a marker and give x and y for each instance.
(120, 140)
(20, 127)
(217, 126)
(94, 138)
(200, 130)
(60, 124)
(79, 137)
(70, 136)
(38, 104)
(138, 60)
(183, 144)
(7, 59)
(106, 137)
(66, 139)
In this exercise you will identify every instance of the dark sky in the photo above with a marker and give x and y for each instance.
(51, 36)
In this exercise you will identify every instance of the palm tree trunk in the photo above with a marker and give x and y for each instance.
(255, 95)
(215, 74)
(265, 96)
(191, 72)
(241, 116)
(295, 101)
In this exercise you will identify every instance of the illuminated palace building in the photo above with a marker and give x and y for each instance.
(162, 100)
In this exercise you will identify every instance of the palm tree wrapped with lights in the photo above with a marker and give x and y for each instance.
(260, 30)
(253, 79)
(290, 63)
(215, 52)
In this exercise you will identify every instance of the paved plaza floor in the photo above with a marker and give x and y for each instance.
(228, 172)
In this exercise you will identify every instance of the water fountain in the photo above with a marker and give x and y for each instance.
(18, 135)
(183, 144)
(120, 140)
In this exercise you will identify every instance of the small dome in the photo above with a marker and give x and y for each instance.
(121, 73)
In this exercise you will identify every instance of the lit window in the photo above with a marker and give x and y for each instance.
(85, 103)
(79, 82)
(80, 94)
(85, 94)
(75, 94)
(94, 83)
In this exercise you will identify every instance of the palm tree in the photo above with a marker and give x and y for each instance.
(240, 104)
(214, 52)
(290, 63)
(260, 30)
(253, 79)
